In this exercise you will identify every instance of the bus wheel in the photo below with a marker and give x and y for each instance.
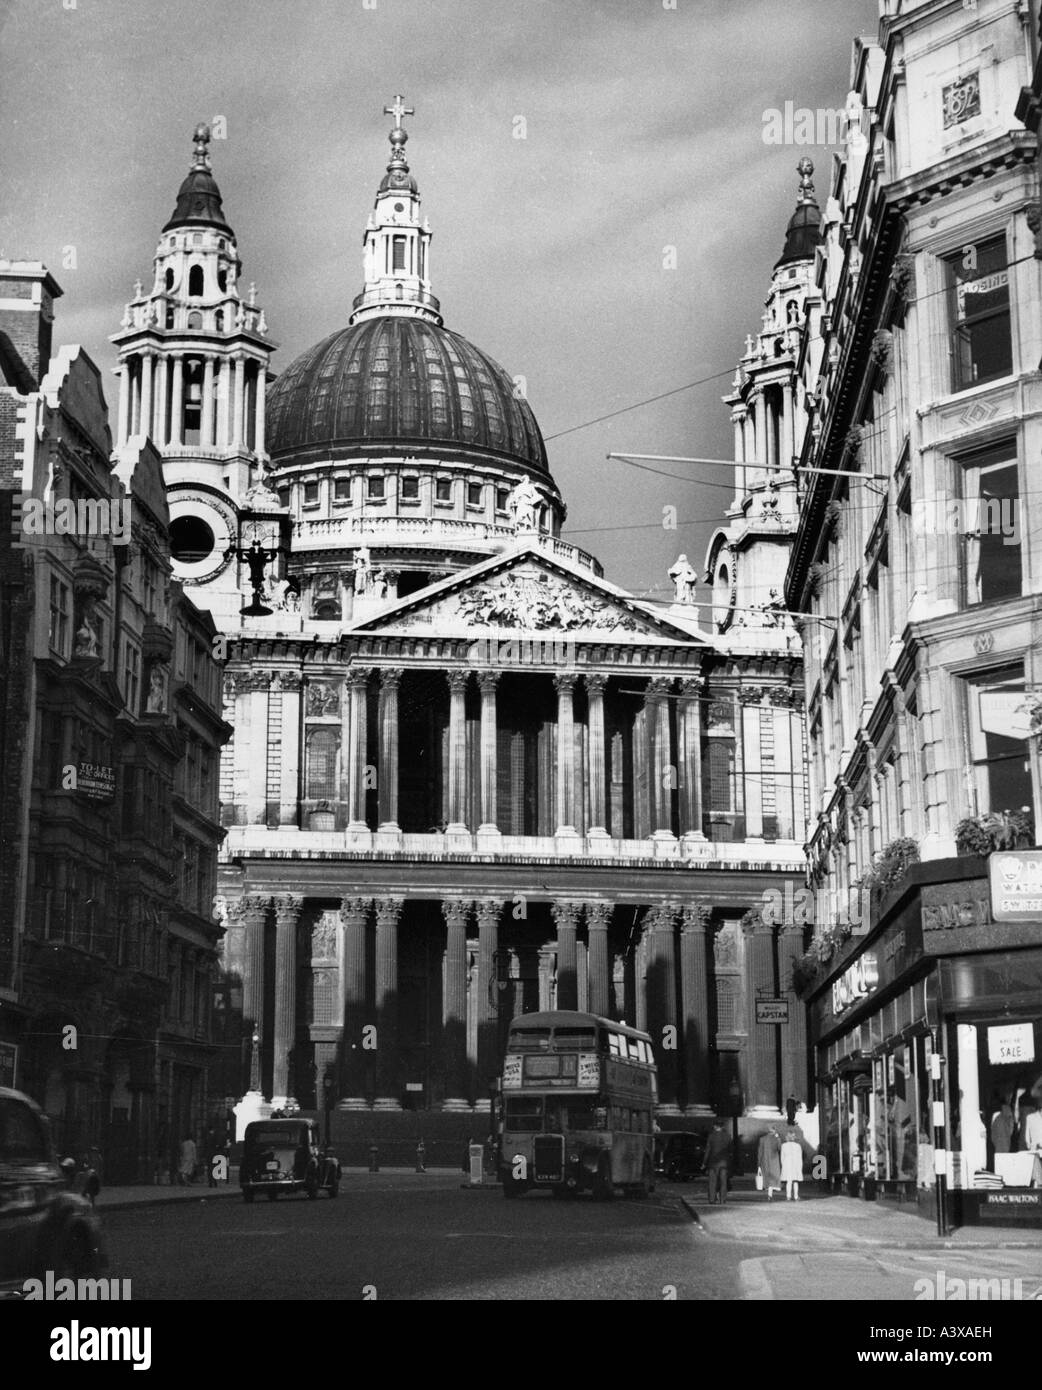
(603, 1191)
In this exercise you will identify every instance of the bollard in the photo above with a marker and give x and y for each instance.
(421, 1154)
(374, 1159)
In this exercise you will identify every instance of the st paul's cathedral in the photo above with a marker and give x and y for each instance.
(470, 777)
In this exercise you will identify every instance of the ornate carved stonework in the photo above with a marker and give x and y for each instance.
(697, 919)
(322, 699)
(539, 602)
(725, 946)
(324, 937)
(456, 910)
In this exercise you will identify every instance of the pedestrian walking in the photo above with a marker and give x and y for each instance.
(792, 1166)
(187, 1159)
(768, 1160)
(717, 1163)
(791, 1106)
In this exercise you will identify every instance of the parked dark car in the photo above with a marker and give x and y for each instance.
(43, 1224)
(286, 1156)
(678, 1156)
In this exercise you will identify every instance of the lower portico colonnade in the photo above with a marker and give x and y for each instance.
(408, 1000)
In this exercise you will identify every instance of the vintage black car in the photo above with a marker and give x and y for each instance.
(286, 1156)
(679, 1155)
(43, 1225)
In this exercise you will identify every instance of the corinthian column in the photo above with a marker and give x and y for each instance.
(388, 915)
(689, 730)
(762, 1083)
(598, 960)
(566, 918)
(657, 705)
(177, 414)
(387, 775)
(662, 1003)
(207, 421)
(457, 680)
(487, 999)
(454, 1031)
(147, 366)
(354, 913)
(487, 685)
(694, 1003)
(358, 682)
(287, 915)
(565, 685)
(598, 830)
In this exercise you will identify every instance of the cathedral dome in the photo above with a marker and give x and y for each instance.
(400, 383)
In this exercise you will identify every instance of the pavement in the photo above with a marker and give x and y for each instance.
(826, 1247)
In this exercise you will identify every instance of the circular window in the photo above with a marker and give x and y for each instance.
(399, 207)
(191, 539)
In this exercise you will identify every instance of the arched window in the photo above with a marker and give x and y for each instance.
(222, 279)
(195, 319)
(169, 277)
(169, 316)
(398, 294)
(195, 281)
(218, 320)
(322, 746)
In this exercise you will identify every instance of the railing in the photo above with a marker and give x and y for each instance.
(259, 840)
(319, 532)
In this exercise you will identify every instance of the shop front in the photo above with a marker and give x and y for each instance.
(936, 977)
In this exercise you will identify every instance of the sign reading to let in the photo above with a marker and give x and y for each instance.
(772, 1011)
(1011, 1042)
(96, 782)
(1016, 886)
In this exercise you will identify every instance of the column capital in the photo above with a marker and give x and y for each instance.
(358, 676)
(754, 923)
(565, 915)
(288, 906)
(661, 917)
(457, 679)
(355, 910)
(564, 682)
(249, 908)
(390, 677)
(388, 911)
(487, 681)
(598, 915)
(692, 686)
(658, 688)
(488, 911)
(696, 919)
(595, 682)
(456, 911)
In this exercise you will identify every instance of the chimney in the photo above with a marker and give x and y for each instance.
(27, 295)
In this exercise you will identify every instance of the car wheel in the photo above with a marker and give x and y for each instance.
(248, 1194)
(603, 1191)
(273, 1194)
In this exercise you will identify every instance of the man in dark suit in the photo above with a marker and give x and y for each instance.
(717, 1163)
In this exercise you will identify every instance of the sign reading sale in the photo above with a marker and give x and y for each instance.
(1011, 1042)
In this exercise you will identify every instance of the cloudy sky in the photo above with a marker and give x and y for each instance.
(643, 131)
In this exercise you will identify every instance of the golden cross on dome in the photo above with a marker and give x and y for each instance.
(398, 109)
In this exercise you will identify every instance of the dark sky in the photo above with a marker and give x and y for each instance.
(644, 130)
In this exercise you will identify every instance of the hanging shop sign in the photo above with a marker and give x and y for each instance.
(772, 1011)
(1016, 886)
(1011, 1042)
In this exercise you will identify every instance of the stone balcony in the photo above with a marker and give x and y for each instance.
(253, 841)
(434, 534)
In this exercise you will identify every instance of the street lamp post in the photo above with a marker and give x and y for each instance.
(734, 1092)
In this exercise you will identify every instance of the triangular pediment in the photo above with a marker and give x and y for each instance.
(526, 592)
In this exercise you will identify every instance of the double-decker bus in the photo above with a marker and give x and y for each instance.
(578, 1106)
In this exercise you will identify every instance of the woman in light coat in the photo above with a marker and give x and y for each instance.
(791, 1166)
(768, 1160)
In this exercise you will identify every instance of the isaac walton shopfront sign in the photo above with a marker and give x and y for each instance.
(1016, 886)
